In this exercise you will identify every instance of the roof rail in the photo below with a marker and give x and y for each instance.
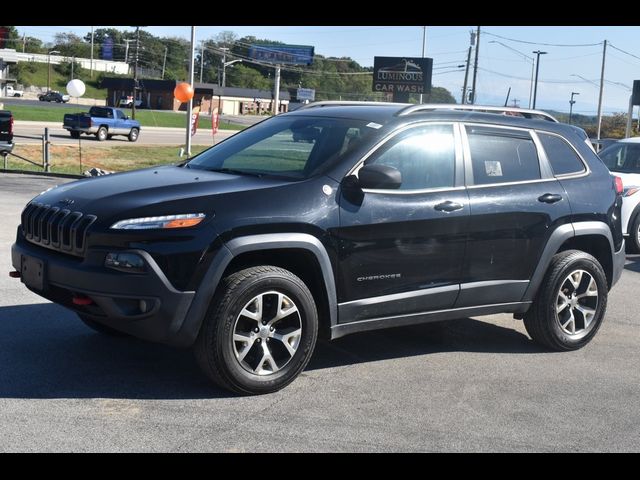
(524, 112)
(346, 103)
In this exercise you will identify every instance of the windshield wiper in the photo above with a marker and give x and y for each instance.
(234, 171)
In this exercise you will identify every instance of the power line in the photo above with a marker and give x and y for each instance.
(545, 44)
(625, 52)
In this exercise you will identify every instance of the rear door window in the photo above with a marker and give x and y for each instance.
(502, 155)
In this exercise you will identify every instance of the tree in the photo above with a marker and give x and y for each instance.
(71, 45)
(34, 45)
(439, 95)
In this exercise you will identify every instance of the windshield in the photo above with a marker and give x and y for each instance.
(293, 147)
(622, 157)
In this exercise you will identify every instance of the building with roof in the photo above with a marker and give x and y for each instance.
(158, 95)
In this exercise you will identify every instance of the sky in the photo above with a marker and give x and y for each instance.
(572, 64)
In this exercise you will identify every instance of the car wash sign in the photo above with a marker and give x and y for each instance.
(402, 75)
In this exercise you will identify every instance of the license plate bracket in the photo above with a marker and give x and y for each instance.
(32, 272)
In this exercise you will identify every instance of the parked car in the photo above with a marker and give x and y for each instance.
(394, 215)
(127, 102)
(6, 132)
(14, 91)
(103, 122)
(623, 159)
(54, 96)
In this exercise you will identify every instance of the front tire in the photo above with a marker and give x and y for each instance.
(133, 135)
(259, 332)
(570, 306)
(100, 328)
(101, 134)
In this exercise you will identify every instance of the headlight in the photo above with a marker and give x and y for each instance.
(183, 220)
(628, 191)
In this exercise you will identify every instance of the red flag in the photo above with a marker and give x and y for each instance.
(215, 121)
(195, 117)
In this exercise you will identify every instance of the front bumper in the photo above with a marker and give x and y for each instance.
(619, 258)
(6, 147)
(143, 305)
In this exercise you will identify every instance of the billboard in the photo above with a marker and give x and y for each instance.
(402, 74)
(107, 49)
(282, 54)
(306, 94)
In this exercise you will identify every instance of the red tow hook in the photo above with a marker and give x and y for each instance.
(81, 300)
(15, 274)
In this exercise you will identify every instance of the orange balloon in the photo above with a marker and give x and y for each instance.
(183, 92)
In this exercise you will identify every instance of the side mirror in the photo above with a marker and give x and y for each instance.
(126, 117)
(379, 177)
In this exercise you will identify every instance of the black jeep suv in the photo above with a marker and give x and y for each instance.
(389, 215)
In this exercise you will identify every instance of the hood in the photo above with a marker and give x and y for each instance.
(154, 191)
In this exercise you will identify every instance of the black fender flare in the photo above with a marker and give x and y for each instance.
(556, 239)
(187, 329)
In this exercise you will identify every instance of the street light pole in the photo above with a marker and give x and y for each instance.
(49, 69)
(535, 83)
(135, 74)
(224, 65)
(424, 38)
(192, 50)
(571, 102)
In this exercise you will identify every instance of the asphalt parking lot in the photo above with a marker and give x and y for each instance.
(464, 385)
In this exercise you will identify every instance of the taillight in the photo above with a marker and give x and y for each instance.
(11, 125)
(619, 186)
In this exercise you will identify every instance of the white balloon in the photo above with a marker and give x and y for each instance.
(76, 88)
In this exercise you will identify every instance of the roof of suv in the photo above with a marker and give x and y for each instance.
(383, 113)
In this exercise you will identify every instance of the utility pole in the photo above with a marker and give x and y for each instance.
(276, 94)
(91, 70)
(126, 50)
(164, 62)
(424, 39)
(604, 57)
(224, 66)
(535, 83)
(571, 102)
(135, 74)
(73, 63)
(466, 75)
(192, 50)
(475, 67)
(24, 42)
(201, 58)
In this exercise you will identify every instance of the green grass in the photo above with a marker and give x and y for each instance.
(36, 74)
(147, 118)
(65, 158)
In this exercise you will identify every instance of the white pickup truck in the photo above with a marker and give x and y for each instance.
(14, 91)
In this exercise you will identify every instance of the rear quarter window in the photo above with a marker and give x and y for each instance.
(563, 158)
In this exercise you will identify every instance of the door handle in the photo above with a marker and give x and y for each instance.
(550, 198)
(448, 206)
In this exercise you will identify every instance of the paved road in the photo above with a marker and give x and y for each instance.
(465, 385)
(31, 132)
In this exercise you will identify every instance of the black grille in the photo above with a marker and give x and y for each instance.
(56, 228)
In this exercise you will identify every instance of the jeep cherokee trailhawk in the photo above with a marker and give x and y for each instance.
(386, 215)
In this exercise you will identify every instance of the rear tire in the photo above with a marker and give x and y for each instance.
(570, 305)
(100, 328)
(101, 134)
(280, 307)
(74, 134)
(133, 135)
